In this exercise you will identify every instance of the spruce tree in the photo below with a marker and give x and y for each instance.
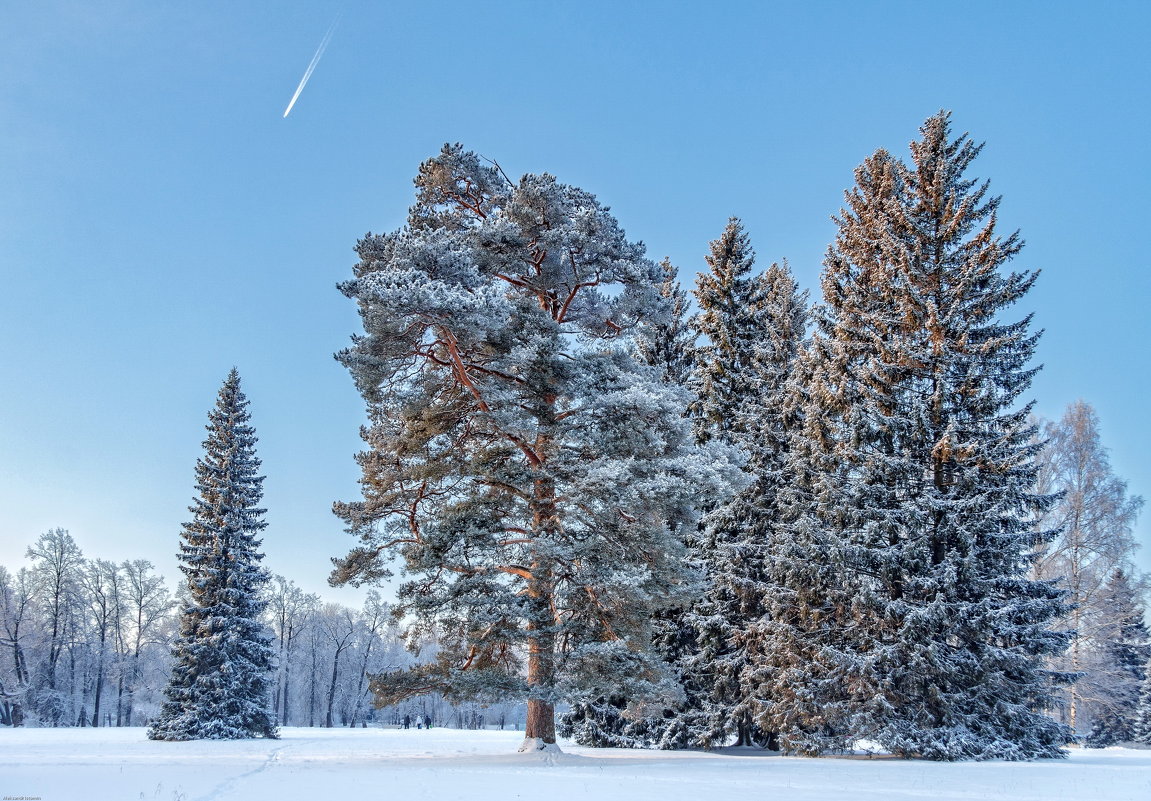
(725, 410)
(530, 471)
(221, 682)
(902, 611)
(668, 345)
(1127, 648)
(753, 520)
(1141, 727)
(729, 322)
(755, 331)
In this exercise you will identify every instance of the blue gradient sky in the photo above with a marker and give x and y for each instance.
(160, 221)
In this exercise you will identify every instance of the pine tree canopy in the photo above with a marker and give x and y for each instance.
(526, 466)
(220, 688)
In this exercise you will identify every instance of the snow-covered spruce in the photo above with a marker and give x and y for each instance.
(755, 336)
(1141, 727)
(901, 610)
(1124, 656)
(526, 466)
(750, 328)
(729, 322)
(668, 344)
(220, 686)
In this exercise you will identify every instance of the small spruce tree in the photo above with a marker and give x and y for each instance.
(220, 685)
(1141, 728)
(1125, 654)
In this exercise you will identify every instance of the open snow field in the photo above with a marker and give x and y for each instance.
(335, 764)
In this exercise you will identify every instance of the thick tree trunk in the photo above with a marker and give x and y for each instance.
(541, 723)
(743, 731)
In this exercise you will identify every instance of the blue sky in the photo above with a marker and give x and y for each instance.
(160, 221)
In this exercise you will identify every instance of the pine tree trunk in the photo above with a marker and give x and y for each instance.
(541, 723)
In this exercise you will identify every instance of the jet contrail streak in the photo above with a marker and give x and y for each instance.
(315, 60)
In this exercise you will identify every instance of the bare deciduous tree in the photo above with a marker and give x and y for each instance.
(1095, 515)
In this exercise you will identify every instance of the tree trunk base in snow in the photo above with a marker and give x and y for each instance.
(532, 745)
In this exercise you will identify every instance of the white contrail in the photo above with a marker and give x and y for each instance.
(315, 61)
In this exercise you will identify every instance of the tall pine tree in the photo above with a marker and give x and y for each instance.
(528, 468)
(221, 682)
(902, 611)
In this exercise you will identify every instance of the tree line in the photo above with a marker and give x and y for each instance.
(775, 522)
(797, 524)
(88, 642)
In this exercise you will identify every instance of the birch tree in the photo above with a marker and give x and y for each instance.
(1094, 515)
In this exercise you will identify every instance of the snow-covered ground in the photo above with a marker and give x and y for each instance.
(335, 764)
